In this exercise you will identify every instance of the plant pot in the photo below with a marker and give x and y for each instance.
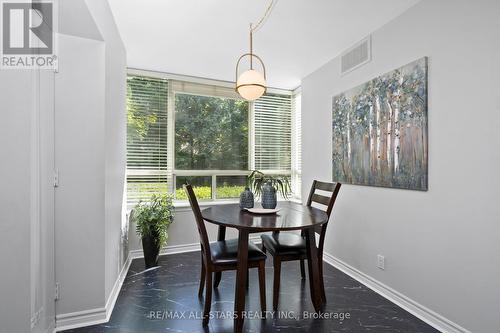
(269, 199)
(151, 250)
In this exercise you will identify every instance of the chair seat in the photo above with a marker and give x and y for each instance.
(284, 243)
(226, 252)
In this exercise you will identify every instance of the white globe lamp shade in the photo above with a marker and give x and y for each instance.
(251, 85)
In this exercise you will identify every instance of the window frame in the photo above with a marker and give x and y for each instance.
(171, 171)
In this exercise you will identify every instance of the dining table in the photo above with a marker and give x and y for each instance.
(290, 217)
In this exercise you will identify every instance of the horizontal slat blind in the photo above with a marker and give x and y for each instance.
(297, 145)
(203, 90)
(272, 131)
(147, 115)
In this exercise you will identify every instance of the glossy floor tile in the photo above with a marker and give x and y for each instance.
(164, 299)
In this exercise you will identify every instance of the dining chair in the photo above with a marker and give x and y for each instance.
(222, 256)
(288, 246)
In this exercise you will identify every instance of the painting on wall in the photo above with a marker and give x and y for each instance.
(380, 130)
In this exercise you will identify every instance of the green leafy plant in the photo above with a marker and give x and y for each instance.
(153, 217)
(257, 179)
(205, 192)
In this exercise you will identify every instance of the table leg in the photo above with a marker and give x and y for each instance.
(313, 265)
(222, 233)
(220, 237)
(241, 277)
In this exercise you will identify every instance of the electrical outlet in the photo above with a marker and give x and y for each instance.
(380, 261)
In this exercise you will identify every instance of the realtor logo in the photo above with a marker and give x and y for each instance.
(28, 35)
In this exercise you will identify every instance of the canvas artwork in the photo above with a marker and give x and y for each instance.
(380, 130)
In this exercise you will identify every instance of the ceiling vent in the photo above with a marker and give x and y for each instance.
(356, 56)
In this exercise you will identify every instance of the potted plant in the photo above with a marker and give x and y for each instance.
(152, 220)
(267, 186)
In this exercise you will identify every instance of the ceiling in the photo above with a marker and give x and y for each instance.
(204, 38)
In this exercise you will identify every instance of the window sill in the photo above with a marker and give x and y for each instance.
(184, 205)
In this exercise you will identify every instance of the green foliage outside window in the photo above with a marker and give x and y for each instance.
(204, 192)
(211, 133)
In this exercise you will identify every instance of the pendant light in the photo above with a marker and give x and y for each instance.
(251, 84)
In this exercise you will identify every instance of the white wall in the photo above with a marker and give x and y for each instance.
(74, 121)
(26, 201)
(44, 275)
(115, 140)
(15, 132)
(91, 159)
(80, 149)
(441, 246)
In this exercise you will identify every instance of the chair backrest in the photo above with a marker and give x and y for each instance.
(326, 201)
(200, 222)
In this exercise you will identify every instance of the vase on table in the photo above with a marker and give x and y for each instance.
(269, 199)
(246, 199)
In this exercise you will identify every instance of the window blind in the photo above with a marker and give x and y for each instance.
(147, 153)
(203, 89)
(297, 145)
(272, 133)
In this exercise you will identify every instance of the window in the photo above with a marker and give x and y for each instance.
(206, 135)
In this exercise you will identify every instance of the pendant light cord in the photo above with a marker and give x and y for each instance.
(254, 28)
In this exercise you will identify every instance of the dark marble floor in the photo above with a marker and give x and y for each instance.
(165, 300)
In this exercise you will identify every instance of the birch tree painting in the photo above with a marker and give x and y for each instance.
(380, 130)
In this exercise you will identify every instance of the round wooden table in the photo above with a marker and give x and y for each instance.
(290, 217)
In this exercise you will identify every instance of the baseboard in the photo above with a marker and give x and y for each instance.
(113, 295)
(418, 310)
(169, 249)
(77, 319)
(96, 316)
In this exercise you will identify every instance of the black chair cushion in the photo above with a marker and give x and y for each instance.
(284, 243)
(226, 252)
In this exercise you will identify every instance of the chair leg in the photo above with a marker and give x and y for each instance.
(208, 299)
(262, 285)
(302, 269)
(202, 280)
(217, 278)
(321, 279)
(276, 284)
